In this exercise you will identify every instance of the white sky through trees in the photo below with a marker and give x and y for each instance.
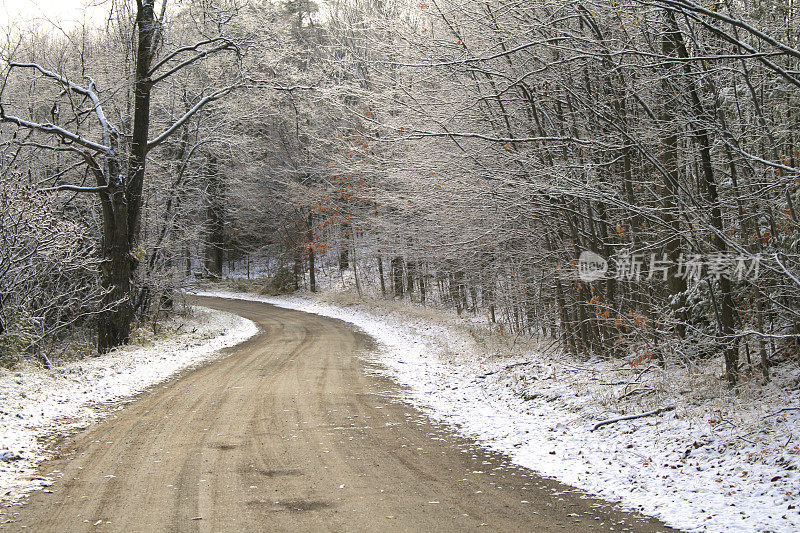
(63, 13)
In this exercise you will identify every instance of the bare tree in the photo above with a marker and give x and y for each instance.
(117, 157)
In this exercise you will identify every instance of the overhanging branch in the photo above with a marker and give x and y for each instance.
(197, 107)
(52, 129)
(74, 188)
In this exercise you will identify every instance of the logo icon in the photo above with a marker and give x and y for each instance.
(591, 266)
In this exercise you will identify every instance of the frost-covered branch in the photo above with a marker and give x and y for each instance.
(227, 45)
(216, 95)
(109, 132)
(46, 127)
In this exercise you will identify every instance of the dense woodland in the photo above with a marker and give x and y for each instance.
(461, 153)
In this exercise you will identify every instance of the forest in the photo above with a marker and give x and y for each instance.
(618, 178)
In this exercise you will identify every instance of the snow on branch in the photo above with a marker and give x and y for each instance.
(46, 127)
(710, 12)
(507, 140)
(216, 95)
(226, 45)
(786, 271)
(108, 129)
(270, 84)
(693, 13)
(74, 188)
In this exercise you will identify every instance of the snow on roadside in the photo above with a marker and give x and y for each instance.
(690, 467)
(36, 403)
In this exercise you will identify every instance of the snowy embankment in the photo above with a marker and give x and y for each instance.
(36, 403)
(716, 461)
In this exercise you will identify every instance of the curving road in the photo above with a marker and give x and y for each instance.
(292, 433)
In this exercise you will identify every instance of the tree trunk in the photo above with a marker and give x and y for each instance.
(114, 323)
(397, 276)
(727, 316)
(215, 242)
(312, 275)
(410, 279)
(344, 252)
(355, 269)
(297, 268)
(669, 163)
(122, 204)
(380, 275)
(421, 282)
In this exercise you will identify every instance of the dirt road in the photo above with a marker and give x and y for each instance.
(292, 433)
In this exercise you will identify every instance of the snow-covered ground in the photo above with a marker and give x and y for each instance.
(717, 461)
(36, 403)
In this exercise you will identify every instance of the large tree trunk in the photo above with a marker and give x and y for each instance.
(122, 204)
(116, 274)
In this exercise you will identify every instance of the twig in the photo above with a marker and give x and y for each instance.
(632, 417)
(779, 411)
